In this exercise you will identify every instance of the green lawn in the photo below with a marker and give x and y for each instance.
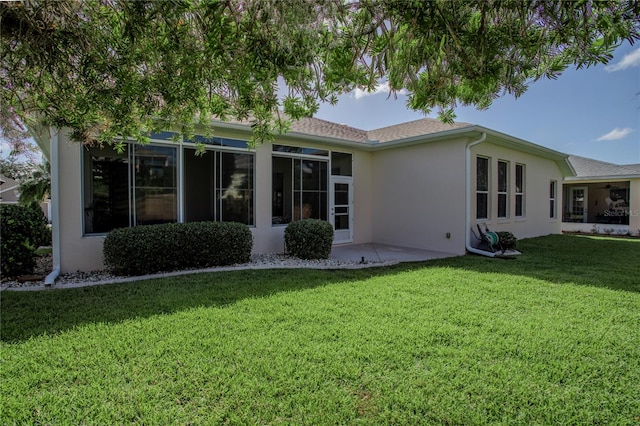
(550, 338)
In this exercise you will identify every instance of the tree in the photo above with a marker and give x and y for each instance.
(35, 187)
(117, 68)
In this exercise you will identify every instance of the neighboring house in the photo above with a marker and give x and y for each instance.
(422, 184)
(10, 194)
(9, 190)
(601, 197)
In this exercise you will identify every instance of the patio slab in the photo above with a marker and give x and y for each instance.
(375, 252)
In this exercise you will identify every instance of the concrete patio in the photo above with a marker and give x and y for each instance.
(374, 252)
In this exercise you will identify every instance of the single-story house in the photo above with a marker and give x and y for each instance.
(9, 190)
(601, 197)
(10, 194)
(422, 184)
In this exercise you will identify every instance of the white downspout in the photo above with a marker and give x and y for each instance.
(467, 210)
(55, 207)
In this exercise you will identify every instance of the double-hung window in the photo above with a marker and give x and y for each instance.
(519, 194)
(552, 199)
(503, 187)
(482, 188)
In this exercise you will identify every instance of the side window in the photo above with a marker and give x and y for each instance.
(482, 188)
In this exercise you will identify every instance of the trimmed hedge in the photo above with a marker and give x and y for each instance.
(24, 229)
(148, 249)
(309, 239)
(507, 240)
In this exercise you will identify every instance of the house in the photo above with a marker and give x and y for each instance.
(10, 194)
(601, 197)
(422, 184)
(9, 190)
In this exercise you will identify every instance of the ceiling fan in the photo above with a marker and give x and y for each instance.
(609, 186)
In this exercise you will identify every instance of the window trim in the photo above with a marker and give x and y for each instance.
(504, 193)
(486, 192)
(553, 197)
(520, 194)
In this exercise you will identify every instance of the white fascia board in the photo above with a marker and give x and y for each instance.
(595, 179)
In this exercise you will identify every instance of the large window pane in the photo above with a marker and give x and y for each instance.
(106, 190)
(199, 186)
(299, 189)
(236, 188)
(155, 180)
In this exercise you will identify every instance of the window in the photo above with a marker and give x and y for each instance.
(218, 186)
(341, 164)
(519, 196)
(140, 186)
(552, 199)
(136, 187)
(503, 185)
(482, 188)
(299, 188)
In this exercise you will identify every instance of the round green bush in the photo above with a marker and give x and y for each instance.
(309, 239)
(157, 248)
(24, 229)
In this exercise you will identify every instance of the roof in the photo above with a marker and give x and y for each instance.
(589, 168)
(424, 126)
(312, 126)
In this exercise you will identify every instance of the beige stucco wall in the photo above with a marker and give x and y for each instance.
(78, 253)
(539, 172)
(419, 196)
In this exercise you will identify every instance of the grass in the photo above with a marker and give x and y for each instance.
(552, 337)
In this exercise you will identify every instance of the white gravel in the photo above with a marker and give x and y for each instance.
(260, 261)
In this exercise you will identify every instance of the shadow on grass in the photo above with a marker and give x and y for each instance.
(609, 263)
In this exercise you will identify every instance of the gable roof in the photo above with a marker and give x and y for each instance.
(587, 168)
(423, 126)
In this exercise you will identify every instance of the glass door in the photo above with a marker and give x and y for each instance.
(579, 205)
(341, 211)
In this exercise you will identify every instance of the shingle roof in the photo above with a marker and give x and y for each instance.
(587, 167)
(410, 129)
(317, 127)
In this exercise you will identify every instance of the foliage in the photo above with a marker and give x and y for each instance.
(507, 240)
(122, 68)
(550, 338)
(309, 239)
(154, 248)
(36, 186)
(23, 231)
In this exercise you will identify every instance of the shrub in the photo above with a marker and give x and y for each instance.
(309, 238)
(507, 240)
(154, 248)
(24, 229)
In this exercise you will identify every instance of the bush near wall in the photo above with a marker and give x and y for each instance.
(507, 240)
(309, 239)
(156, 248)
(24, 229)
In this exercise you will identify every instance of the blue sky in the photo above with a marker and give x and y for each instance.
(593, 112)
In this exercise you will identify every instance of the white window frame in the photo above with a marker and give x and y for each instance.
(553, 196)
(484, 192)
(504, 193)
(520, 193)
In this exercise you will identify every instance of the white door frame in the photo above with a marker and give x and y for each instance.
(345, 235)
(585, 201)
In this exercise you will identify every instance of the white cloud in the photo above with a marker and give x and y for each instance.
(615, 134)
(628, 61)
(380, 88)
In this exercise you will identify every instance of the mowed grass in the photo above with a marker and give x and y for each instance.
(550, 338)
